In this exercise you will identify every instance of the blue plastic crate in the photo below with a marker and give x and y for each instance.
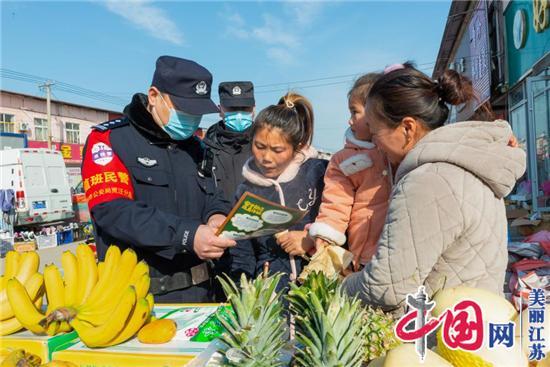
(65, 237)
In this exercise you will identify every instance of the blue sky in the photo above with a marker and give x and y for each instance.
(111, 46)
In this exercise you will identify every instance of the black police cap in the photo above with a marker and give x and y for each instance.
(188, 84)
(237, 94)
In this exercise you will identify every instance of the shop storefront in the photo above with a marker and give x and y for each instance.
(528, 58)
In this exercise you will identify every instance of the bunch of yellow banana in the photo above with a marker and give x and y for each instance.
(80, 275)
(24, 290)
(20, 357)
(119, 304)
(21, 279)
(106, 303)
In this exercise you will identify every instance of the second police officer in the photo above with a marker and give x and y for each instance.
(228, 144)
(229, 141)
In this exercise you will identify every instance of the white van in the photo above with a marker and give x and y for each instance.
(40, 182)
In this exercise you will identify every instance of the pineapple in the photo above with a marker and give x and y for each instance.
(329, 327)
(257, 332)
(380, 336)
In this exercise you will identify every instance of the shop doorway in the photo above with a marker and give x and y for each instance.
(538, 127)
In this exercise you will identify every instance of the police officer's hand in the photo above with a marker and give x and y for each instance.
(209, 246)
(215, 221)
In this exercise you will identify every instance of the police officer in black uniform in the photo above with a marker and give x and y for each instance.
(228, 146)
(144, 190)
(229, 141)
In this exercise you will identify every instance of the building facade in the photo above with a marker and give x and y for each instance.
(70, 125)
(504, 48)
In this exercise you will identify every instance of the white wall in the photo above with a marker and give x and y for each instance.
(27, 108)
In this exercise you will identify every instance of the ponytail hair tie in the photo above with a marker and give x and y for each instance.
(393, 67)
(289, 104)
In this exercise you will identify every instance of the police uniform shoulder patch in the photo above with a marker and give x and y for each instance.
(111, 124)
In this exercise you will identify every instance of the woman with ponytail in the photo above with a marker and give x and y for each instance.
(446, 223)
(284, 168)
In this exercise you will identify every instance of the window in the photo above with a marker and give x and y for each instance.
(7, 123)
(72, 133)
(541, 109)
(40, 129)
(518, 118)
(517, 95)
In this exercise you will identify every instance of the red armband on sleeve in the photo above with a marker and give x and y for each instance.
(104, 176)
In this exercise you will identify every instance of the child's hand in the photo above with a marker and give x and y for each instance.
(347, 271)
(320, 243)
(295, 243)
(513, 142)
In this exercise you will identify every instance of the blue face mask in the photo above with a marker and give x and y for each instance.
(180, 125)
(238, 120)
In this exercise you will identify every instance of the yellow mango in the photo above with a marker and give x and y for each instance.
(157, 332)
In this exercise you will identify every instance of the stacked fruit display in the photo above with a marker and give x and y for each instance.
(331, 329)
(335, 330)
(106, 303)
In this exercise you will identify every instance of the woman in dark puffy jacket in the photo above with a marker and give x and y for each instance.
(284, 169)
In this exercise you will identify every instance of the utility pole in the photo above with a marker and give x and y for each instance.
(48, 87)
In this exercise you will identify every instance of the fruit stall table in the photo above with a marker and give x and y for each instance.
(177, 352)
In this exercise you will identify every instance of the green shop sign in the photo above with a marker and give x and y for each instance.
(527, 35)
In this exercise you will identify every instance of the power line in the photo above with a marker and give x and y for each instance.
(305, 86)
(62, 86)
(69, 90)
(314, 85)
(326, 78)
(8, 72)
(285, 86)
(351, 77)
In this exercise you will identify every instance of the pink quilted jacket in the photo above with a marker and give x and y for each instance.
(355, 199)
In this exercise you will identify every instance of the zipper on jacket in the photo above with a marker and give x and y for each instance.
(170, 152)
(214, 176)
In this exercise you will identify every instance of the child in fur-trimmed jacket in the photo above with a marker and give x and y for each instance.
(357, 186)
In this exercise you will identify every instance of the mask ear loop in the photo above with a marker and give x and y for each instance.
(163, 100)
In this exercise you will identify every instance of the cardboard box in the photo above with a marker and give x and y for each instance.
(178, 352)
(24, 246)
(42, 346)
(521, 197)
(525, 222)
(516, 213)
(525, 226)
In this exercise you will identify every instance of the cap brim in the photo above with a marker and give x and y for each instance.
(194, 106)
(238, 102)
